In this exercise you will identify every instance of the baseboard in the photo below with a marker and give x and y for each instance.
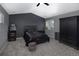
(2, 48)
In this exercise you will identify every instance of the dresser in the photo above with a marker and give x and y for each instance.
(12, 36)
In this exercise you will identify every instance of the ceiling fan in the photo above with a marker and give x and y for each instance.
(47, 4)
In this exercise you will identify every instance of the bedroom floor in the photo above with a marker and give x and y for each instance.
(53, 48)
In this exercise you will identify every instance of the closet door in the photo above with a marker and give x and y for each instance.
(68, 30)
(63, 29)
(72, 30)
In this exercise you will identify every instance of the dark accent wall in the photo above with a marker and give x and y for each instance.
(22, 20)
(3, 27)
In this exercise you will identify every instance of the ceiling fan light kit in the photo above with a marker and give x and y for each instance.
(38, 4)
(47, 4)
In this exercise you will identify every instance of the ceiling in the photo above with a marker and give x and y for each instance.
(44, 11)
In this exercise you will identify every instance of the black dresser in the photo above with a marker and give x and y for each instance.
(12, 36)
(69, 31)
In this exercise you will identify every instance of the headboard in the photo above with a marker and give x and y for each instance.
(30, 28)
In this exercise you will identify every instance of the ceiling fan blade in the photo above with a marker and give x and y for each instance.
(46, 4)
(38, 4)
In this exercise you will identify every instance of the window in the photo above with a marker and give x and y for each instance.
(50, 24)
(1, 17)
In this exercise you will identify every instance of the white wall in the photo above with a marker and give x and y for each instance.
(3, 28)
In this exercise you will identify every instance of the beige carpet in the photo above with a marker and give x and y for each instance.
(53, 48)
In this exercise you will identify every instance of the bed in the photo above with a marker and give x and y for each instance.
(32, 35)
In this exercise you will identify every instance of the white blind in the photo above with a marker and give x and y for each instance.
(1, 17)
(50, 24)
